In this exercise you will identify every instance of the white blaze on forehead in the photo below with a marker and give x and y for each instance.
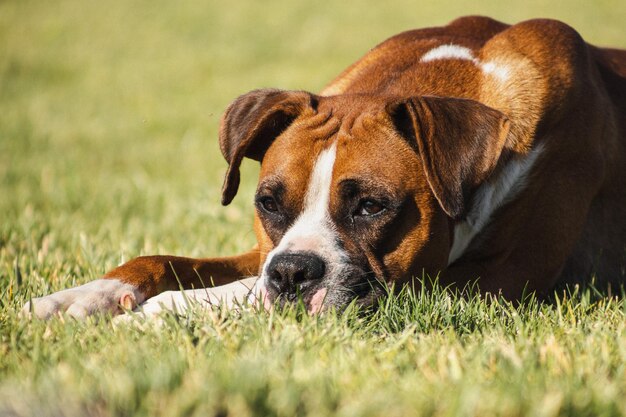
(314, 224)
(449, 51)
(313, 230)
(318, 193)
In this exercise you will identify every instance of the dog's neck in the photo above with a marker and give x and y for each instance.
(498, 190)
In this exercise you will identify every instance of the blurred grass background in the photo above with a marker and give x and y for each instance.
(108, 149)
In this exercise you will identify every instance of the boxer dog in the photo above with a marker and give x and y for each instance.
(474, 151)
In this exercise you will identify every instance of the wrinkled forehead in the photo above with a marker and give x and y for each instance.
(365, 145)
(292, 156)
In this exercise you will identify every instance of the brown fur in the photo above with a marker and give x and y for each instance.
(429, 134)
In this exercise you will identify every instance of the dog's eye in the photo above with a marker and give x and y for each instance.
(268, 204)
(369, 207)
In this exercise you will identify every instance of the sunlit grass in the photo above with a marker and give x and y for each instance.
(424, 354)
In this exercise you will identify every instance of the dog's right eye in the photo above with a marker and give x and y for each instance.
(369, 207)
(268, 204)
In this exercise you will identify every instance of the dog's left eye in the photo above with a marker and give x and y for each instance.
(369, 207)
(268, 204)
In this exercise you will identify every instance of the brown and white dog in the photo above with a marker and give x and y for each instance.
(476, 150)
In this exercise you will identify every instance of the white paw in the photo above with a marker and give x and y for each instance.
(95, 297)
(232, 296)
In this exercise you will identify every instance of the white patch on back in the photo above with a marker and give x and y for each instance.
(313, 230)
(449, 51)
(499, 71)
(489, 197)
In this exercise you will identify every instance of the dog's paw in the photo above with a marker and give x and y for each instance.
(96, 297)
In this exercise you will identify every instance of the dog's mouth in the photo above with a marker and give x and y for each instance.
(364, 290)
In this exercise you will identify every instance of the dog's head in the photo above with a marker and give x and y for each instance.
(356, 190)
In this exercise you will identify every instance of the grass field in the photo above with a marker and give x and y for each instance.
(108, 150)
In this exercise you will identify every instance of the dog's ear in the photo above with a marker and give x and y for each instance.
(250, 125)
(459, 142)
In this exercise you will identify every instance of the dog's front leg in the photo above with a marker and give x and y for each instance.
(141, 278)
(247, 291)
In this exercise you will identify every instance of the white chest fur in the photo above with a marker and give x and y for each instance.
(489, 197)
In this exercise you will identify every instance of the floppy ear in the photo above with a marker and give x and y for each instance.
(459, 142)
(250, 125)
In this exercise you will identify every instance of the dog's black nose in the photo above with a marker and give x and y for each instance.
(287, 271)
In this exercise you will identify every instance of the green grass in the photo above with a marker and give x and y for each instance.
(108, 150)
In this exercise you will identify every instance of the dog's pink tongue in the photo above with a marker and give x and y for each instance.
(317, 301)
